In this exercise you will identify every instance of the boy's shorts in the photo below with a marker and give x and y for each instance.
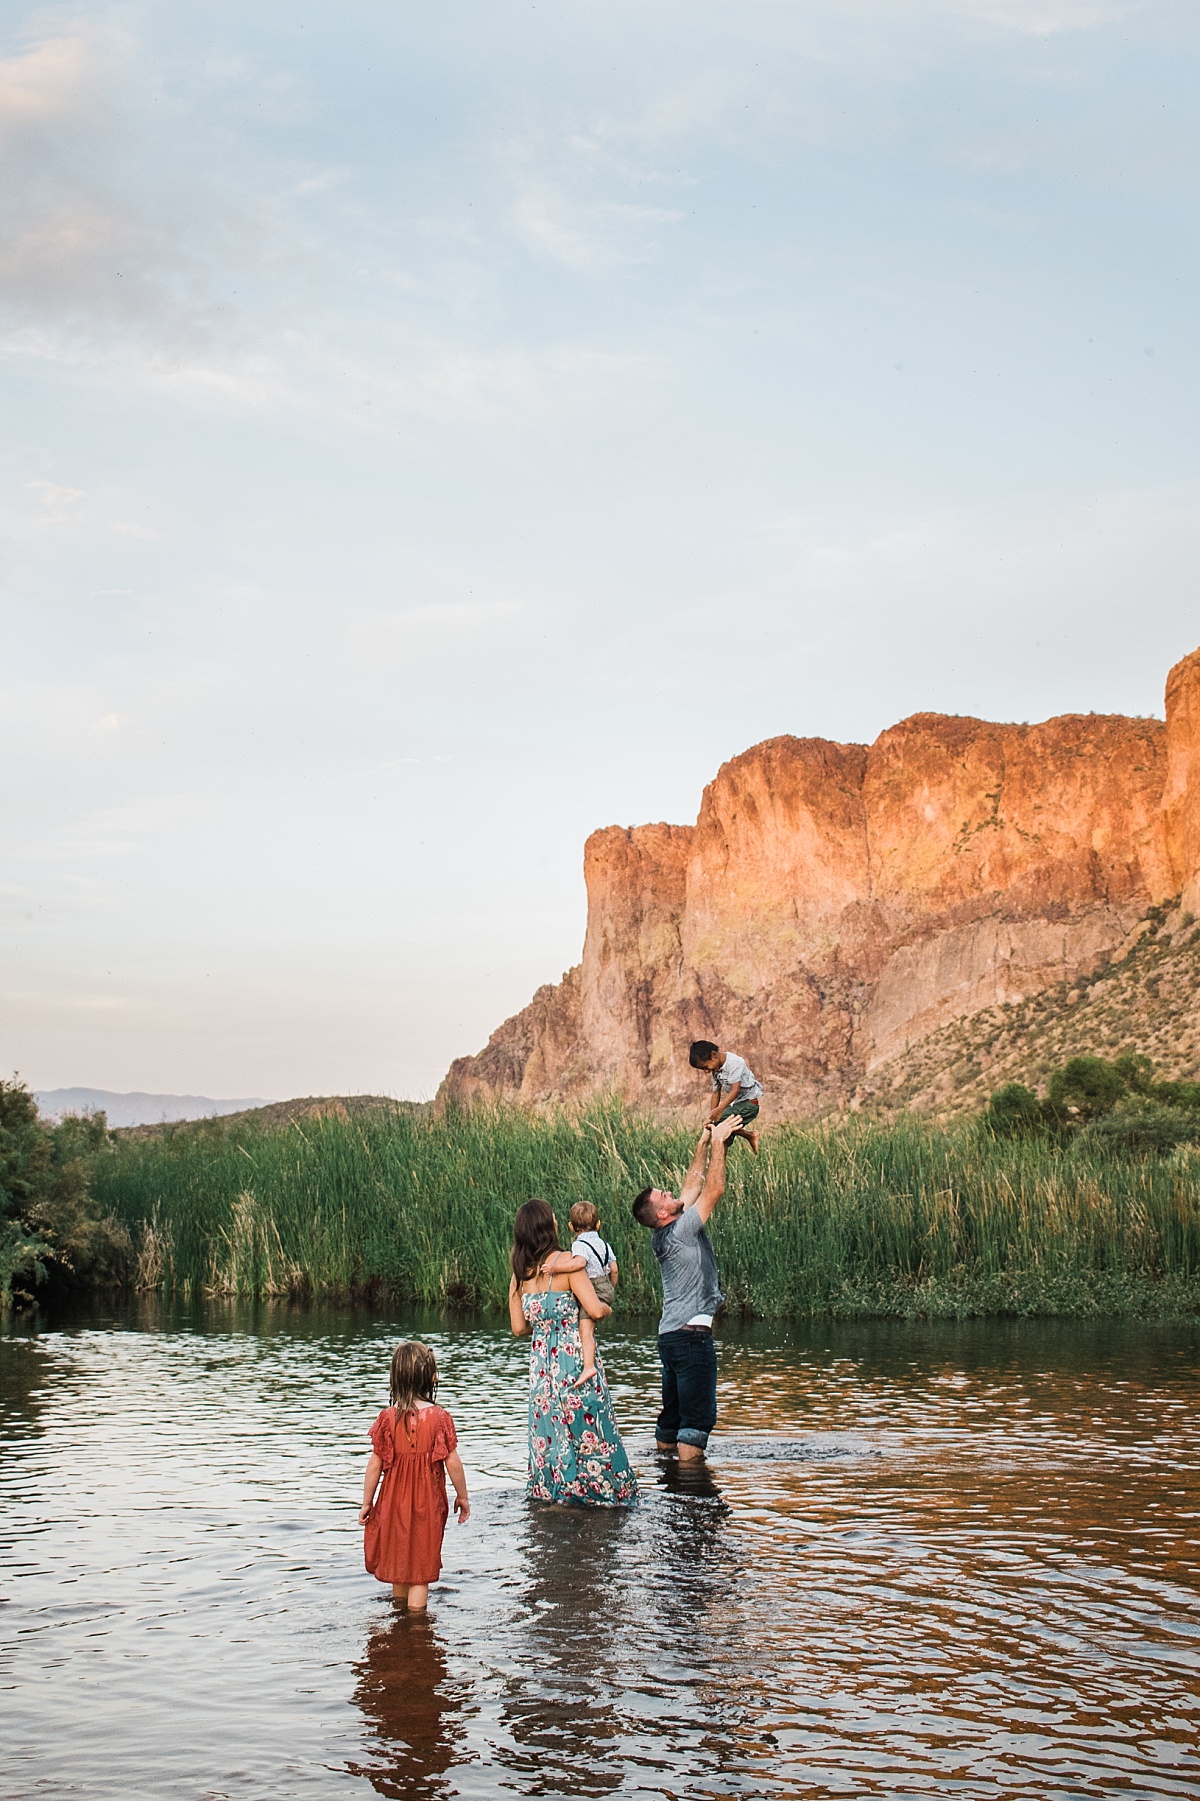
(746, 1111)
(604, 1289)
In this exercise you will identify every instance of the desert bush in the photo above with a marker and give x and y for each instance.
(51, 1229)
(1014, 1111)
(1085, 1088)
(1143, 1126)
(1115, 1104)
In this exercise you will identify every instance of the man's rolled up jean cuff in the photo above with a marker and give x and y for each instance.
(692, 1435)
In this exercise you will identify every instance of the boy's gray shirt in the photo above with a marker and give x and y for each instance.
(735, 1070)
(688, 1266)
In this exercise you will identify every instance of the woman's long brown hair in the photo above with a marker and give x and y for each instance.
(535, 1235)
(414, 1377)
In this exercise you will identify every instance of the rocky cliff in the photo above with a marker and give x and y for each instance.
(837, 905)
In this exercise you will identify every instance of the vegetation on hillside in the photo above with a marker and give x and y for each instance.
(51, 1229)
(1115, 1105)
(860, 1218)
(1146, 999)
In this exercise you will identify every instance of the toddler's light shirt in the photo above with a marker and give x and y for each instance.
(596, 1252)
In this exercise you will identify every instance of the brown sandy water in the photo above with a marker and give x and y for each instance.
(930, 1561)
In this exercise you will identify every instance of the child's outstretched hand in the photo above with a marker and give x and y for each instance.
(462, 1508)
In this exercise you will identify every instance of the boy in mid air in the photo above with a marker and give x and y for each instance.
(736, 1089)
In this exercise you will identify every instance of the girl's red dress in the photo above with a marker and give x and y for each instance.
(402, 1541)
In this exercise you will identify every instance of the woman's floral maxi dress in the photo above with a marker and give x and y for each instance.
(575, 1450)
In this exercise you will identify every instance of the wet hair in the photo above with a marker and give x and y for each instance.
(642, 1206)
(700, 1053)
(414, 1376)
(584, 1217)
(535, 1235)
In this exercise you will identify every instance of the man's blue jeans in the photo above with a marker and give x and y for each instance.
(689, 1386)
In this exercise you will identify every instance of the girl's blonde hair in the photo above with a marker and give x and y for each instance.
(414, 1376)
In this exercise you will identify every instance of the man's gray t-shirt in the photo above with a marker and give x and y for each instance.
(688, 1268)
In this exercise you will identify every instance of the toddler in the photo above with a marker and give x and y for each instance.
(600, 1265)
(413, 1449)
(736, 1089)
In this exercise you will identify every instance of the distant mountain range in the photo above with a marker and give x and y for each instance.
(136, 1109)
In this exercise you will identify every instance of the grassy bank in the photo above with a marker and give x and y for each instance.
(903, 1220)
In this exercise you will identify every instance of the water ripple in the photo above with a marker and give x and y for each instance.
(927, 1561)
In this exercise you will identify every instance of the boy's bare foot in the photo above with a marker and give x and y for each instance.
(587, 1376)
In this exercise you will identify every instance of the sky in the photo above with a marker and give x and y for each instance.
(431, 433)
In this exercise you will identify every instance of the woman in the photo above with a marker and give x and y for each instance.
(575, 1451)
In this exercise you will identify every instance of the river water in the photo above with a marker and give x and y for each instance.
(954, 1560)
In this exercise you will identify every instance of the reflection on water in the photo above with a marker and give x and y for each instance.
(410, 1706)
(925, 1561)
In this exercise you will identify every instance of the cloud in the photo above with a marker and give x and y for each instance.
(48, 83)
(419, 637)
(589, 237)
(580, 193)
(101, 235)
(45, 1003)
(407, 383)
(56, 506)
(1046, 18)
(137, 255)
(97, 834)
(75, 258)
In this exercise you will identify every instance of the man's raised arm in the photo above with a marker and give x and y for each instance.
(714, 1184)
(693, 1182)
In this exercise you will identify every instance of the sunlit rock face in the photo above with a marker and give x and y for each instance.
(835, 903)
(1181, 800)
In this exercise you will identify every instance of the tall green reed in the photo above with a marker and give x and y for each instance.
(857, 1218)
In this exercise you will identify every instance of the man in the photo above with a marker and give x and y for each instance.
(691, 1295)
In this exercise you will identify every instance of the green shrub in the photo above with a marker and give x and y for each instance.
(50, 1226)
(1136, 1071)
(1143, 1127)
(1184, 1095)
(1014, 1111)
(1085, 1088)
(1117, 1105)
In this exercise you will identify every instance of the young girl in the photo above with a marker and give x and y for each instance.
(413, 1449)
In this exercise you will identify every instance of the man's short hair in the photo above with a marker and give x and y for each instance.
(584, 1217)
(700, 1053)
(641, 1207)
